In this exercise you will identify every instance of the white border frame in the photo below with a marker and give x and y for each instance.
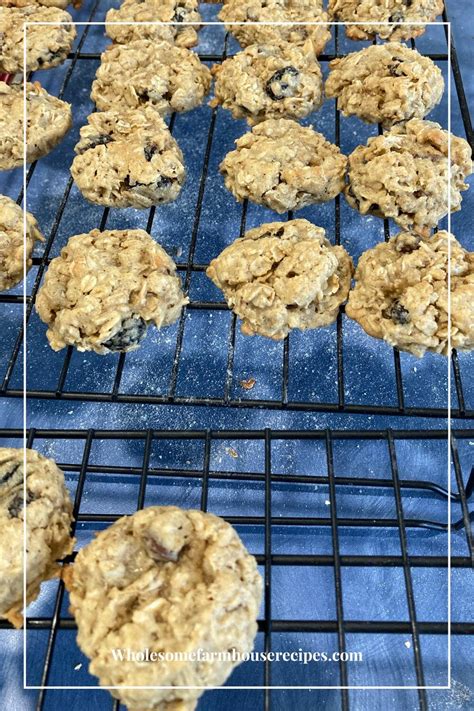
(27, 687)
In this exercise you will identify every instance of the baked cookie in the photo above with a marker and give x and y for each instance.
(401, 293)
(48, 518)
(284, 166)
(177, 11)
(146, 72)
(404, 174)
(128, 159)
(385, 83)
(49, 119)
(392, 12)
(104, 290)
(283, 275)
(168, 581)
(12, 249)
(46, 45)
(268, 11)
(266, 81)
(46, 3)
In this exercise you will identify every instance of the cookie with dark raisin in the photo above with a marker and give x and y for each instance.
(106, 288)
(128, 159)
(48, 510)
(389, 19)
(401, 293)
(170, 21)
(269, 81)
(47, 44)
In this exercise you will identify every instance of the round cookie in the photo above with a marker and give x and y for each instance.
(385, 83)
(145, 72)
(266, 81)
(48, 518)
(104, 290)
(169, 581)
(271, 11)
(385, 11)
(177, 11)
(401, 293)
(283, 275)
(12, 251)
(49, 119)
(404, 174)
(284, 166)
(128, 159)
(46, 45)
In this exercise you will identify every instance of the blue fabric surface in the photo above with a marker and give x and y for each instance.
(376, 593)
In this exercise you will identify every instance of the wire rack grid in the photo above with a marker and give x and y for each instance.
(335, 370)
(150, 464)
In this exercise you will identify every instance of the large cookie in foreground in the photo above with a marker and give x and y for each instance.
(167, 580)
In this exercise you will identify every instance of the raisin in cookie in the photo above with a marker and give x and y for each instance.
(12, 242)
(46, 45)
(401, 293)
(385, 83)
(128, 159)
(168, 581)
(48, 520)
(283, 275)
(49, 119)
(284, 166)
(177, 11)
(271, 11)
(104, 290)
(145, 72)
(266, 81)
(390, 12)
(404, 174)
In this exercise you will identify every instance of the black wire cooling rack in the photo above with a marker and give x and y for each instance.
(82, 467)
(280, 398)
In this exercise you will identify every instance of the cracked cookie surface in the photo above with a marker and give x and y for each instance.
(283, 275)
(48, 520)
(49, 119)
(104, 290)
(284, 166)
(401, 293)
(266, 81)
(268, 11)
(385, 83)
(167, 580)
(385, 11)
(128, 159)
(177, 11)
(12, 242)
(145, 72)
(404, 174)
(46, 45)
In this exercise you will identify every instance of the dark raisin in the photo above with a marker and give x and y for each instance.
(407, 244)
(16, 504)
(163, 182)
(282, 83)
(397, 17)
(280, 232)
(99, 141)
(132, 331)
(394, 69)
(180, 14)
(9, 474)
(397, 313)
(150, 152)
